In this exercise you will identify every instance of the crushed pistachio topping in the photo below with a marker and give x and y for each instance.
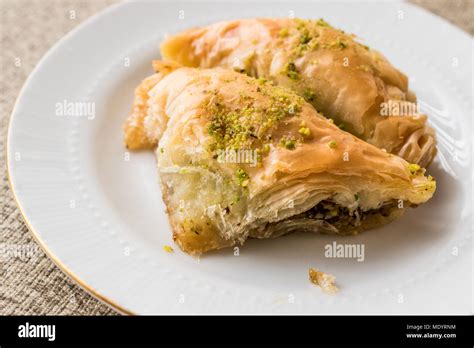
(414, 169)
(291, 71)
(306, 37)
(322, 23)
(309, 95)
(284, 32)
(242, 177)
(356, 197)
(247, 126)
(304, 131)
(168, 249)
(332, 144)
(288, 142)
(431, 184)
(339, 44)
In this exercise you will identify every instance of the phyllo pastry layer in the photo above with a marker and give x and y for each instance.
(343, 79)
(239, 157)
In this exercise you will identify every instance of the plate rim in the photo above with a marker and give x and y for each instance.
(36, 236)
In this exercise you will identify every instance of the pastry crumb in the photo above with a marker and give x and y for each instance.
(168, 249)
(323, 280)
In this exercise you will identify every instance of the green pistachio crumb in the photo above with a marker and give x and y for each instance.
(247, 125)
(291, 71)
(284, 32)
(332, 144)
(414, 168)
(339, 44)
(308, 95)
(288, 143)
(304, 131)
(322, 23)
(305, 38)
(242, 177)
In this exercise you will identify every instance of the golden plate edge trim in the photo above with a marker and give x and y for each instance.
(86, 287)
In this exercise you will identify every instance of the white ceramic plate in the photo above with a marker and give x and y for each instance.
(98, 213)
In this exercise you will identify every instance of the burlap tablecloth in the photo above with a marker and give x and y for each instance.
(29, 282)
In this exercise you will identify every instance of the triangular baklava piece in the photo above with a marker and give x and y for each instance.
(239, 157)
(343, 79)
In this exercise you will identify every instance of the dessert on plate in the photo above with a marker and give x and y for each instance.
(240, 157)
(343, 79)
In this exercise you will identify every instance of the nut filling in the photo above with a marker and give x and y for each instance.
(325, 217)
(336, 215)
